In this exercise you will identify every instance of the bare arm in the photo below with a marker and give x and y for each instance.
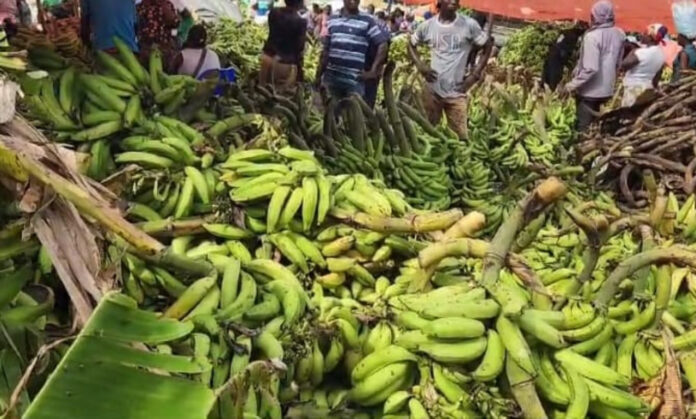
(178, 61)
(378, 63)
(658, 77)
(485, 56)
(630, 61)
(323, 62)
(485, 52)
(429, 74)
(414, 55)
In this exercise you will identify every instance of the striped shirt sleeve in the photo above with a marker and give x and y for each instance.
(376, 34)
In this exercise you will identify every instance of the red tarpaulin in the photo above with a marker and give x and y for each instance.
(631, 15)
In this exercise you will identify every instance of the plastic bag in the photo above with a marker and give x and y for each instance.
(8, 93)
(684, 14)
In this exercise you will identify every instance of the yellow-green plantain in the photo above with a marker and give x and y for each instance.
(275, 208)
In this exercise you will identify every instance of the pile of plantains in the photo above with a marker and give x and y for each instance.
(255, 258)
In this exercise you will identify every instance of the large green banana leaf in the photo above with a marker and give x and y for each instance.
(20, 337)
(107, 373)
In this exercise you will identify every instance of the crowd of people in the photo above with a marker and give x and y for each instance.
(355, 47)
(395, 22)
(149, 24)
(608, 55)
(141, 24)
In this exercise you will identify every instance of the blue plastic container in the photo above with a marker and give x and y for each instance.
(225, 76)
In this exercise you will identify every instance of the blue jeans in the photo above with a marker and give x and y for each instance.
(340, 91)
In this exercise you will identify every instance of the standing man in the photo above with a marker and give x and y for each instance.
(451, 38)
(342, 63)
(102, 20)
(195, 59)
(560, 55)
(594, 77)
(281, 59)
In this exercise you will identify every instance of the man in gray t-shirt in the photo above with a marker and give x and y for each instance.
(451, 38)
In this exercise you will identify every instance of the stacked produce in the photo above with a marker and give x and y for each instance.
(239, 43)
(273, 283)
(13, 61)
(516, 136)
(62, 48)
(397, 144)
(527, 48)
(433, 167)
(369, 315)
(657, 137)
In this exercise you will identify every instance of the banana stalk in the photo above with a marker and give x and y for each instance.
(628, 267)
(86, 204)
(422, 223)
(522, 387)
(174, 228)
(545, 194)
(596, 230)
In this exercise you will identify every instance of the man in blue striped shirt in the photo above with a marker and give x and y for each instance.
(342, 64)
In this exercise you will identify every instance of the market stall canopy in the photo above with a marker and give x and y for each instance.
(631, 15)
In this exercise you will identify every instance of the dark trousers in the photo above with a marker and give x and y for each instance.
(370, 95)
(552, 74)
(586, 111)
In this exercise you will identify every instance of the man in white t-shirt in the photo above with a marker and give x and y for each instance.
(643, 66)
(451, 38)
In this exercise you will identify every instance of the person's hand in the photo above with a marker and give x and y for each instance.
(566, 90)
(368, 75)
(429, 74)
(469, 82)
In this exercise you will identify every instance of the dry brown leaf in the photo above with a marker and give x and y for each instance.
(32, 197)
(673, 403)
(519, 267)
(50, 228)
(663, 393)
(650, 391)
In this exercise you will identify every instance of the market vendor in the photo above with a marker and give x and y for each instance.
(643, 66)
(156, 20)
(342, 63)
(451, 38)
(195, 58)
(686, 59)
(594, 77)
(560, 54)
(102, 20)
(281, 58)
